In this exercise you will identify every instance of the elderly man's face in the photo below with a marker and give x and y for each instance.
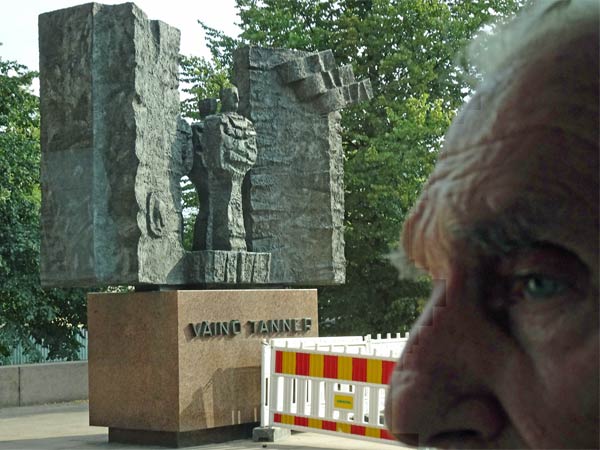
(506, 354)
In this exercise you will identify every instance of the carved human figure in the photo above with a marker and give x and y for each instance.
(224, 151)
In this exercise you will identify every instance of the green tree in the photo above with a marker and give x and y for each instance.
(200, 79)
(410, 50)
(51, 316)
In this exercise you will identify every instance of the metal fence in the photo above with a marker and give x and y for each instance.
(18, 355)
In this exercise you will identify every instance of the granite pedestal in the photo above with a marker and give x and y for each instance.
(181, 368)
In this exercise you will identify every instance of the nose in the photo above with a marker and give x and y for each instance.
(442, 390)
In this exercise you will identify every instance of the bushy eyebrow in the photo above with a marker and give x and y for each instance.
(533, 218)
(528, 222)
(500, 236)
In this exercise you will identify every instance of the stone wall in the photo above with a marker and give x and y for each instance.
(36, 384)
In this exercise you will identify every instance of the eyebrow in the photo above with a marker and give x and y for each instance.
(501, 235)
(529, 222)
(497, 237)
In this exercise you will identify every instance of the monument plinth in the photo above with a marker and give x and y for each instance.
(183, 367)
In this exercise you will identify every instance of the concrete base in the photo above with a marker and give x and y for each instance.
(181, 439)
(270, 434)
(165, 365)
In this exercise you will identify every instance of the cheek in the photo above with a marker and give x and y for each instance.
(573, 389)
(551, 393)
(563, 349)
(571, 374)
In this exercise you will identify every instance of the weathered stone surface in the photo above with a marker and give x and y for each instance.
(109, 105)
(269, 178)
(230, 100)
(207, 106)
(114, 151)
(228, 267)
(224, 151)
(315, 77)
(296, 196)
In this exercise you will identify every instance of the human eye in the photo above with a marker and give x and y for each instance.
(538, 287)
(539, 276)
(540, 290)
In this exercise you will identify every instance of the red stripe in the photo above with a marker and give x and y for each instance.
(332, 426)
(328, 425)
(358, 430)
(278, 362)
(330, 369)
(359, 369)
(301, 421)
(387, 367)
(385, 434)
(302, 363)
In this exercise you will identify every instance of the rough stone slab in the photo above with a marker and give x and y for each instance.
(315, 77)
(266, 58)
(296, 194)
(301, 68)
(228, 267)
(109, 106)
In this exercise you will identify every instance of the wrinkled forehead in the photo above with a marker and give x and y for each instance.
(521, 159)
(557, 89)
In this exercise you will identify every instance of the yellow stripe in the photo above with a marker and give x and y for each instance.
(289, 363)
(316, 364)
(343, 428)
(373, 432)
(344, 368)
(315, 423)
(286, 418)
(374, 370)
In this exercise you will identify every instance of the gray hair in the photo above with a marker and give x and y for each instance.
(541, 27)
(498, 54)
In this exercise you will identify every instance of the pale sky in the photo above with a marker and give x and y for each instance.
(19, 30)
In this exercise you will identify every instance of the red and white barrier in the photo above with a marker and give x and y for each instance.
(333, 385)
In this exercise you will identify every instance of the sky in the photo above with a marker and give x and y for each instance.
(19, 31)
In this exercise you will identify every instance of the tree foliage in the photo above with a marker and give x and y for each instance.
(200, 79)
(28, 313)
(410, 50)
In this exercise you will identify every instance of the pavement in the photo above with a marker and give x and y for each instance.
(65, 426)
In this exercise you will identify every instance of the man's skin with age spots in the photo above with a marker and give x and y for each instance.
(506, 353)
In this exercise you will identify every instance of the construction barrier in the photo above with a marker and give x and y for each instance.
(331, 385)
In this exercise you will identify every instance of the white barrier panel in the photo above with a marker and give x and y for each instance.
(333, 385)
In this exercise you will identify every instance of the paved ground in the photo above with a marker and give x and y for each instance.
(65, 426)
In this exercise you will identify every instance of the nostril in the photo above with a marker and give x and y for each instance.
(451, 439)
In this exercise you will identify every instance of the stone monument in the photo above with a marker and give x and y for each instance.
(171, 363)
(224, 151)
(296, 204)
